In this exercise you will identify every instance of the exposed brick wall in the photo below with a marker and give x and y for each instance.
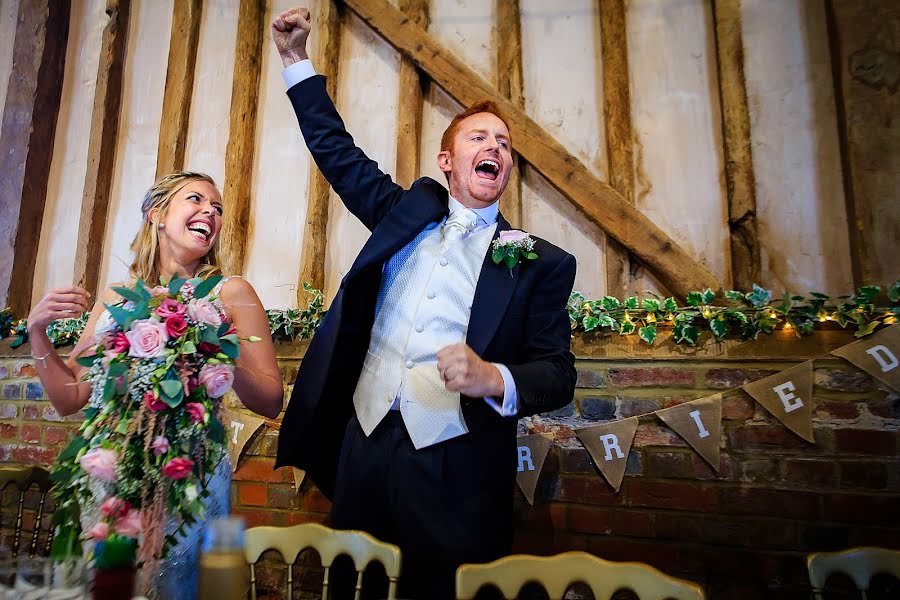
(743, 532)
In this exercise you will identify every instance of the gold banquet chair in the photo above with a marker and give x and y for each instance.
(557, 573)
(23, 477)
(329, 543)
(861, 564)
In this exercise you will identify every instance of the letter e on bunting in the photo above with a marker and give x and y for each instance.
(699, 423)
(788, 396)
(239, 428)
(878, 355)
(532, 450)
(609, 444)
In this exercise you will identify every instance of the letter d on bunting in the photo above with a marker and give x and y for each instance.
(532, 450)
(878, 355)
(788, 396)
(609, 444)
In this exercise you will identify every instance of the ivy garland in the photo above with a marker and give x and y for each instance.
(747, 314)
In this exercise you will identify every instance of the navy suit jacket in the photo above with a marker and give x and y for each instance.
(519, 320)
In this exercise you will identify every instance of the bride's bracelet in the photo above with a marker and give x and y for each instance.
(44, 357)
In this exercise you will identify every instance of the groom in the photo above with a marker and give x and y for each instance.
(405, 406)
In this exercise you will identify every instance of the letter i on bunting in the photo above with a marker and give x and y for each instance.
(699, 423)
(239, 428)
(609, 444)
(878, 355)
(788, 396)
(532, 450)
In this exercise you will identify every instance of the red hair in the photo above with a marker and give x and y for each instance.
(482, 106)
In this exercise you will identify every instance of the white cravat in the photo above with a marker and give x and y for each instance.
(460, 223)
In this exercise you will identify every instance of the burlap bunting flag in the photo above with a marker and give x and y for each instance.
(788, 397)
(532, 451)
(609, 444)
(878, 355)
(239, 428)
(699, 423)
(299, 476)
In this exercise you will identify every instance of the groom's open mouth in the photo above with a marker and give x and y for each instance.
(488, 169)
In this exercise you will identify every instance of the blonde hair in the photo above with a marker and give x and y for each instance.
(146, 243)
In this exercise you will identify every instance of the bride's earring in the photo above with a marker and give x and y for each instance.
(162, 226)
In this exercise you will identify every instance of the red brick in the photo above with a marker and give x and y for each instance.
(701, 469)
(667, 464)
(651, 376)
(868, 475)
(592, 490)
(55, 435)
(776, 438)
(862, 508)
(258, 469)
(584, 519)
(671, 495)
(815, 473)
(725, 379)
(848, 379)
(9, 410)
(632, 523)
(49, 414)
(630, 407)
(315, 501)
(760, 470)
(283, 496)
(886, 408)
(291, 518)
(31, 433)
(758, 501)
(4, 372)
(589, 379)
(24, 369)
(738, 408)
(663, 556)
(576, 460)
(651, 434)
(254, 517)
(550, 517)
(252, 494)
(33, 455)
(31, 412)
(866, 441)
(826, 409)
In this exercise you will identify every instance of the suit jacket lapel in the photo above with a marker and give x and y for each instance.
(492, 295)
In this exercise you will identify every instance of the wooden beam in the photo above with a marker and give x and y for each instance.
(409, 102)
(179, 86)
(241, 137)
(102, 145)
(865, 64)
(619, 135)
(327, 52)
(739, 177)
(510, 83)
(28, 131)
(600, 203)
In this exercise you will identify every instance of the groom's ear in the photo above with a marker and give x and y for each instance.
(443, 160)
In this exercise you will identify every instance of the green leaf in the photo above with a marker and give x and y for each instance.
(692, 334)
(231, 337)
(87, 361)
(497, 255)
(866, 329)
(894, 292)
(128, 294)
(208, 335)
(759, 297)
(590, 322)
(175, 285)
(122, 317)
(610, 303)
(670, 304)
(109, 389)
(734, 295)
(626, 327)
(172, 391)
(719, 328)
(694, 299)
(608, 321)
(141, 288)
(530, 255)
(708, 296)
(216, 431)
(736, 315)
(511, 260)
(206, 286)
(650, 304)
(189, 348)
(866, 294)
(229, 349)
(631, 303)
(648, 333)
(117, 369)
(71, 451)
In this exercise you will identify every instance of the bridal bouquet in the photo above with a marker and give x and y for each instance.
(162, 361)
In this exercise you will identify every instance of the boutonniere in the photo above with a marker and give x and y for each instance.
(511, 247)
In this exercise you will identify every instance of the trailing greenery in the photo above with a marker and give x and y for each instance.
(744, 314)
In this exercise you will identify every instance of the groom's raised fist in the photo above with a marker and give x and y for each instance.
(290, 30)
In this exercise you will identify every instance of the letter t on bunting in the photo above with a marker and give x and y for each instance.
(239, 428)
(609, 444)
(788, 396)
(532, 450)
(878, 355)
(699, 422)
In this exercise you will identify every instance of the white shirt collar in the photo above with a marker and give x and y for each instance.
(486, 215)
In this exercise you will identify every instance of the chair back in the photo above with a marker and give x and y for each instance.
(23, 477)
(329, 543)
(861, 564)
(557, 573)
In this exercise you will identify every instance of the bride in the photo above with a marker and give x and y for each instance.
(178, 236)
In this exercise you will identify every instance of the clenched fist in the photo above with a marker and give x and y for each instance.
(290, 30)
(465, 372)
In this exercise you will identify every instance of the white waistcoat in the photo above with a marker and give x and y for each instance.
(423, 305)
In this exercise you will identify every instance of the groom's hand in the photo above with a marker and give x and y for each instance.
(290, 30)
(463, 371)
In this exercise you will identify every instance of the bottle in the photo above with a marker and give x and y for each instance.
(224, 574)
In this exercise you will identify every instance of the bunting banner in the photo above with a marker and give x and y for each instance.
(878, 355)
(699, 423)
(239, 428)
(533, 450)
(299, 476)
(788, 397)
(609, 444)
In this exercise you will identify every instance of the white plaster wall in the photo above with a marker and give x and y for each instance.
(143, 84)
(467, 28)
(676, 119)
(9, 9)
(799, 191)
(55, 264)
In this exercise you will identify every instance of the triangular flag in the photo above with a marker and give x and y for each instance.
(788, 396)
(299, 475)
(878, 355)
(532, 450)
(239, 428)
(609, 444)
(699, 422)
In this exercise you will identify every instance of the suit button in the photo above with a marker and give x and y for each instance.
(420, 328)
(431, 295)
(410, 364)
(443, 261)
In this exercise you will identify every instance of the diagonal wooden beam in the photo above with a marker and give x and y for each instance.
(28, 132)
(102, 146)
(599, 202)
(511, 85)
(179, 86)
(409, 102)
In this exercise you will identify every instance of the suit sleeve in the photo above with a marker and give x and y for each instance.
(366, 191)
(546, 380)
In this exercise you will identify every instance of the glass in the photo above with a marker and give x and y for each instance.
(32, 578)
(68, 580)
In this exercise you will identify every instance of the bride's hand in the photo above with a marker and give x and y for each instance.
(61, 303)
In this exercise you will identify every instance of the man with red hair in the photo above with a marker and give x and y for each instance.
(404, 410)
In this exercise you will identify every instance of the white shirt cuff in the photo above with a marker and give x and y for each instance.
(297, 72)
(510, 405)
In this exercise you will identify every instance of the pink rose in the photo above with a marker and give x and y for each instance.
(176, 327)
(159, 290)
(130, 525)
(115, 507)
(217, 379)
(203, 311)
(160, 445)
(99, 532)
(512, 235)
(100, 463)
(170, 308)
(153, 402)
(148, 338)
(178, 468)
(196, 411)
(120, 343)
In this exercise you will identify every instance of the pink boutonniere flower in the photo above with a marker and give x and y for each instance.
(511, 246)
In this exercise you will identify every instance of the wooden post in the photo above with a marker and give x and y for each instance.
(28, 132)
(327, 52)
(740, 181)
(409, 103)
(601, 204)
(241, 137)
(179, 86)
(509, 81)
(619, 135)
(864, 41)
